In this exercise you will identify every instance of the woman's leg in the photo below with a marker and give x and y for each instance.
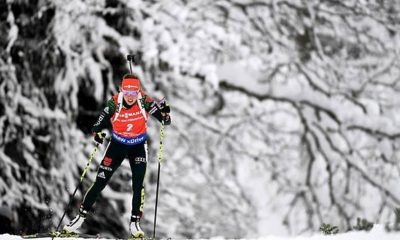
(138, 161)
(112, 159)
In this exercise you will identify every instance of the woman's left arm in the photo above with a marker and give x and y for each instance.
(158, 109)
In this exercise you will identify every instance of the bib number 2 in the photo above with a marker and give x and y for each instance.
(129, 127)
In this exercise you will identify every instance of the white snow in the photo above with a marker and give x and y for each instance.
(377, 233)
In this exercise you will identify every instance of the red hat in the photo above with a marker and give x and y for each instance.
(130, 84)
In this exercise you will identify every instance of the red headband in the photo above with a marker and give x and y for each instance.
(130, 84)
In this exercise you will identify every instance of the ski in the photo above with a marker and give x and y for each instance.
(60, 235)
(73, 235)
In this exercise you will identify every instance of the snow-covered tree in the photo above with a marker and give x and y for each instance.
(285, 113)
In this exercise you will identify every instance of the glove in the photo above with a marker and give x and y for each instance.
(165, 110)
(163, 106)
(166, 119)
(99, 137)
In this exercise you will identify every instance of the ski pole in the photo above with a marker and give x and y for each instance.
(79, 184)
(133, 59)
(130, 58)
(160, 157)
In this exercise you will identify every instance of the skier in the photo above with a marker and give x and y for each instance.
(126, 113)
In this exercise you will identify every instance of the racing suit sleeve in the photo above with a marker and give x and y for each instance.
(104, 119)
(157, 109)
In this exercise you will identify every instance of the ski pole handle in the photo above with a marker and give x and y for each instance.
(133, 59)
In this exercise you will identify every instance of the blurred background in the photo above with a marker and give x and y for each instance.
(285, 113)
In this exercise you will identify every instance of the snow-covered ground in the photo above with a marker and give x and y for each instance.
(377, 233)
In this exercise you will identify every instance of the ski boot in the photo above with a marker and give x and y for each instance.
(75, 223)
(134, 228)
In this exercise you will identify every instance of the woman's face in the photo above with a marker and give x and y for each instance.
(130, 97)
